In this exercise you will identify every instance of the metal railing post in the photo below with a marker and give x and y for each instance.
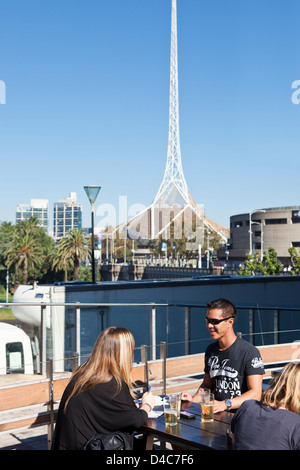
(152, 327)
(50, 402)
(164, 366)
(43, 340)
(144, 359)
(187, 312)
(77, 328)
(251, 325)
(276, 326)
(75, 361)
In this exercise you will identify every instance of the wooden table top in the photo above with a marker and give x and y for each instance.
(192, 433)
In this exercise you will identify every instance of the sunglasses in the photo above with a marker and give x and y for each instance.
(215, 321)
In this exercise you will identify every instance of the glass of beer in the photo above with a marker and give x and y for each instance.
(175, 403)
(170, 413)
(203, 394)
(207, 409)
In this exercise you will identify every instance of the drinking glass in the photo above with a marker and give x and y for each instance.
(207, 409)
(170, 413)
(203, 394)
(175, 403)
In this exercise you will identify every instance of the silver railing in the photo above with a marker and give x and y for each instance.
(187, 308)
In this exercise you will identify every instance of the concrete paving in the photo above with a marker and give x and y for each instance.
(33, 438)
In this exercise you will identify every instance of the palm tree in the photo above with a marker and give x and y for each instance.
(72, 249)
(24, 250)
(61, 263)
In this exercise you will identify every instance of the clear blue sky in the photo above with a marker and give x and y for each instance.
(87, 84)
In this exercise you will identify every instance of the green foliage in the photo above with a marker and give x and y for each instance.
(295, 259)
(71, 250)
(254, 265)
(272, 265)
(30, 254)
(251, 265)
(24, 249)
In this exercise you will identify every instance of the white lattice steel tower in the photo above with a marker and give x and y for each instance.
(173, 200)
(173, 189)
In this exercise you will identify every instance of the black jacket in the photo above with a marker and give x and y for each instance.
(97, 410)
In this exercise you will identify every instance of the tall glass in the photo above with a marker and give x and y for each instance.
(170, 413)
(203, 394)
(175, 403)
(207, 408)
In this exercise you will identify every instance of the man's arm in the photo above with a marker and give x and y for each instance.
(207, 383)
(254, 383)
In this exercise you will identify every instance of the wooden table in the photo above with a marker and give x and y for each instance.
(190, 433)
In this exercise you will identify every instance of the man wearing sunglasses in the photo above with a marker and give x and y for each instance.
(233, 367)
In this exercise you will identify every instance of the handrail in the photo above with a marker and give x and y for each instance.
(115, 304)
(152, 320)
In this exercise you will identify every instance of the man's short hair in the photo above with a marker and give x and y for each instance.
(228, 309)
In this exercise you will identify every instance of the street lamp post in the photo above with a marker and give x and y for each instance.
(250, 228)
(92, 193)
(261, 238)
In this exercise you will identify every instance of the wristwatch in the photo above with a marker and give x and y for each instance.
(228, 403)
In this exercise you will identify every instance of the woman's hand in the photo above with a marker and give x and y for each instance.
(148, 401)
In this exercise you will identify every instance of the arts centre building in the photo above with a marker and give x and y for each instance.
(277, 228)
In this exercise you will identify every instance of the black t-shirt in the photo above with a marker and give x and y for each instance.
(229, 369)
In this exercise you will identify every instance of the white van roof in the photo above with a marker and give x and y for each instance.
(8, 331)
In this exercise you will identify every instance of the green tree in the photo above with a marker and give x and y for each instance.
(24, 249)
(253, 264)
(71, 250)
(295, 259)
(272, 265)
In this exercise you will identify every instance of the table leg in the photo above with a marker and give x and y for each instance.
(149, 443)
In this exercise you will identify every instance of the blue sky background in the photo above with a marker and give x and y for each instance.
(87, 91)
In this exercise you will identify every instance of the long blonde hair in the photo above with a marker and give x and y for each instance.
(111, 357)
(285, 389)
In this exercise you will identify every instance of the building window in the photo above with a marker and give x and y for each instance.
(238, 224)
(275, 221)
(295, 244)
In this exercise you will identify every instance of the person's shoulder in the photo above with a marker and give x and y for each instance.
(248, 406)
(251, 403)
(246, 346)
(291, 416)
(251, 352)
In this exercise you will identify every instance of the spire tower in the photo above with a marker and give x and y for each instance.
(173, 201)
(173, 189)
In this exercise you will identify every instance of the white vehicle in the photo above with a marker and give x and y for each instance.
(16, 354)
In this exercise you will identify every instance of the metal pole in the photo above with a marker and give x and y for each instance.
(43, 339)
(251, 325)
(164, 366)
(276, 326)
(50, 402)
(153, 332)
(75, 361)
(93, 246)
(250, 234)
(144, 358)
(77, 329)
(187, 311)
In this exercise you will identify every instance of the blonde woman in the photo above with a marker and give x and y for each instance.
(99, 396)
(273, 423)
